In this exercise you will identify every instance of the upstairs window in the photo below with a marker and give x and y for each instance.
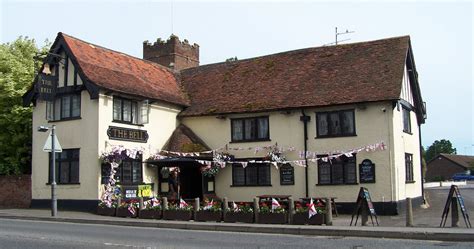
(250, 129)
(406, 120)
(335, 123)
(64, 107)
(130, 111)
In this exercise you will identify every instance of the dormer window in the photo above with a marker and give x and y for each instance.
(130, 111)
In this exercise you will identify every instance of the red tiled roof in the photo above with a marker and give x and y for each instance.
(184, 139)
(343, 74)
(119, 72)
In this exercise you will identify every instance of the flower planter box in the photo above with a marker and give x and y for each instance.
(203, 215)
(123, 212)
(149, 214)
(239, 217)
(302, 219)
(272, 218)
(106, 211)
(177, 215)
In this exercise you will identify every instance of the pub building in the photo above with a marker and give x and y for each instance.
(314, 122)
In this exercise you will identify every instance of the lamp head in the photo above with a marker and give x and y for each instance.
(43, 128)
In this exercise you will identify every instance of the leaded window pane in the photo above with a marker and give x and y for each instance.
(324, 173)
(76, 105)
(237, 129)
(322, 125)
(127, 111)
(335, 124)
(263, 174)
(117, 109)
(251, 175)
(263, 128)
(238, 175)
(249, 129)
(347, 122)
(337, 173)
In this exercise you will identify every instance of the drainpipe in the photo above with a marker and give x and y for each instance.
(421, 167)
(305, 119)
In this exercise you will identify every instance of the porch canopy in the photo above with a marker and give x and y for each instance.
(183, 140)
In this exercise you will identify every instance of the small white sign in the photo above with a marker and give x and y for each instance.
(57, 146)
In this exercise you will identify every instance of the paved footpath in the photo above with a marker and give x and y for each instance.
(426, 221)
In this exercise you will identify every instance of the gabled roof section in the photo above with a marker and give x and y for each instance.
(464, 161)
(118, 72)
(312, 77)
(184, 139)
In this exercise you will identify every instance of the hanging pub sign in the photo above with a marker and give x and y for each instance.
(287, 175)
(126, 134)
(367, 171)
(46, 87)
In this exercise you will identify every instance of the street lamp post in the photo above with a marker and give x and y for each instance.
(54, 200)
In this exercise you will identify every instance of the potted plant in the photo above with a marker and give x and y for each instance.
(152, 209)
(128, 209)
(301, 216)
(106, 208)
(211, 211)
(267, 215)
(181, 211)
(239, 213)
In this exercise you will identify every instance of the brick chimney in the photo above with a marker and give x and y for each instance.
(173, 53)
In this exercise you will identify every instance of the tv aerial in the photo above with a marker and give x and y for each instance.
(338, 34)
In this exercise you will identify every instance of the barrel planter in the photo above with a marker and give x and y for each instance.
(123, 212)
(150, 214)
(203, 215)
(177, 215)
(106, 211)
(302, 219)
(272, 218)
(233, 217)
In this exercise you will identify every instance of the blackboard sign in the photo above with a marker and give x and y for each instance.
(364, 202)
(366, 196)
(287, 175)
(454, 191)
(367, 171)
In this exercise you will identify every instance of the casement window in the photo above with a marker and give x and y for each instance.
(408, 168)
(338, 171)
(64, 107)
(250, 129)
(406, 120)
(130, 172)
(67, 167)
(255, 174)
(335, 123)
(130, 111)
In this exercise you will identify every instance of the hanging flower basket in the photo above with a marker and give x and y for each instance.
(303, 219)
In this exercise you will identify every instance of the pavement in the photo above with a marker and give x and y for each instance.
(426, 222)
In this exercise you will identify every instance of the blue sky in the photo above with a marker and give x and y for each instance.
(441, 35)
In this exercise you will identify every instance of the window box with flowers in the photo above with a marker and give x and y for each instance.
(106, 208)
(128, 209)
(152, 209)
(240, 213)
(178, 212)
(301, 216)
(268, 216)
(211, 211)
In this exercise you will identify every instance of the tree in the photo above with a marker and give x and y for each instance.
(17, 68)
(441, 146)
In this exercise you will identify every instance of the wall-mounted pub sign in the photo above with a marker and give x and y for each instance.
(126, 134)
(367, 171)
(46, 87)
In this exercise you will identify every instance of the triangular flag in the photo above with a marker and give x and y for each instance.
(182, 203)
(275, 204)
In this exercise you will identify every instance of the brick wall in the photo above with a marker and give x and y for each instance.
(15, 191)
(442, 168)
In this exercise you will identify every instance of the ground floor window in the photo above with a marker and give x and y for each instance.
(341, 170)
(129, 172)
(67, 167)
(408, 167)
(255, 174)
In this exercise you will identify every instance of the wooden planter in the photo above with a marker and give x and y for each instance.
(123, 212)
(203, 215)
(106, 211)
(302, 219)
(272, 218)
(177, 215)
(239, 217)
(149, 214)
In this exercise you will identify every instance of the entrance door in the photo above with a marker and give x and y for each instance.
(191, 182)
